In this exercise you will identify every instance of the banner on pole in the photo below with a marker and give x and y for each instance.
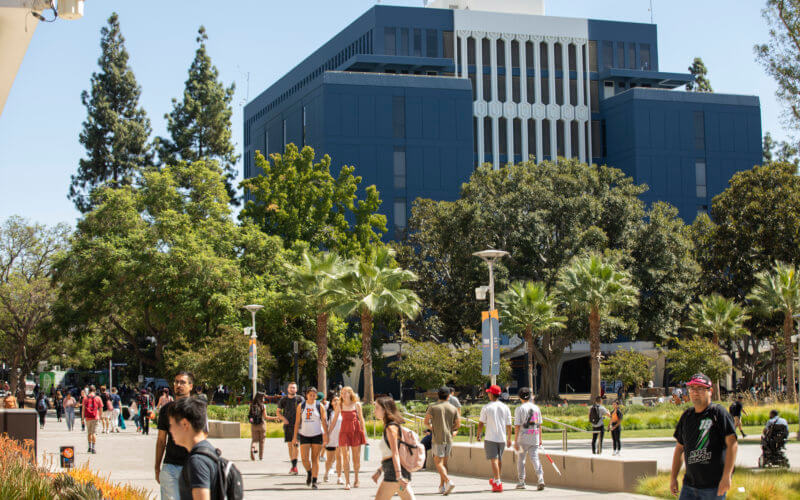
(490, 343)
(251, 358)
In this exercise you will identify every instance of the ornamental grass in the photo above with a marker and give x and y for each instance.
(746, 485)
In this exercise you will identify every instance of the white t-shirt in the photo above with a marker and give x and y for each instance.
(310, 420)
(496, 416)
(528, 412)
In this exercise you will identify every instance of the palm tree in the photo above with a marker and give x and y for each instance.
(372, 287)
(779, 292)
(314, 276)
(720, 317)
(527, 308)
(596, 286)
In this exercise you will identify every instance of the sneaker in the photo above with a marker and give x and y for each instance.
(448, 488)
(314, 486)
(441, 490)
(520, 486)
(540, 486)
(325, 477)
(339, 480)
(498, 487)
(293, 471)
(308, 479)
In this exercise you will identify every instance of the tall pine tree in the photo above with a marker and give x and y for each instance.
(116, 129)
(700, 73)
(200, 124)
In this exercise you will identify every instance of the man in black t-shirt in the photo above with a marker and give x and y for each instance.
(174, 456)
(736, 411)
(706, 441)
(200, 475)
(287, 412)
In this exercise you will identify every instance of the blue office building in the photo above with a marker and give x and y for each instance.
(415, 98)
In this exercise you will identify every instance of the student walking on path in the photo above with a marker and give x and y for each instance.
(170, 453)
(116, 407)
(736, 410)
(145, 404)
(332, 448)
(615, 427)
(496, 418)
(443, 420)
(105, 415)
(58, 405)
(311, 432)
(287, 412)
(353, 434)
(69, 411)
(597, 413)
(92, 409)
(396, 479)
(528, 437)
(258, 426)
(706, 442)
(41, 408)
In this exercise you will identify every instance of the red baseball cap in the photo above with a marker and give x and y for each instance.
(495, 389)
(700, 379)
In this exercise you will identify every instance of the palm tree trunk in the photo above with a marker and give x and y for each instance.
(715, 339)
(366, 354)
(789, 353)
(594, 351)
(322, 352)
(529, 341)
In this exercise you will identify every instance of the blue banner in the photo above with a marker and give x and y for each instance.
(490, 343)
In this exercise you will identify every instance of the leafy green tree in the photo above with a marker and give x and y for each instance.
(596, 286)
(162, 264)
(200, 123)
(778, 292)
(116, 129)
(696, 355)
(368, 288)
(469, 373)
(299, 200)
(700, 74)
(781, 152)
(780, 56)
(27, 294)
(528, 309)
(663, 268)
(428, 365)
(629, 367)
(313, 277)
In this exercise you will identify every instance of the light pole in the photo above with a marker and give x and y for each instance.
(254, 308)
(490, 256)
(797, 341)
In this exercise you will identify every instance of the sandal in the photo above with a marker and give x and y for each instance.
(347, 486)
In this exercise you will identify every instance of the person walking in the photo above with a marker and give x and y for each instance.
(81, 397)
(736, 410)
(116, 407)
(69, 411)
(332, 448)
(105, 415)
(134, 409)
(163, 399)
(353, 434)
(615, 427)
(9, 401)
(58, 405)
(443, 420)
(258, 426)
(187, 423)
(92, 409)
(396, 479)
(311, 432)
(171, 455)
(41, 408)
(706, 442)
(496, 418)
(287, 412)
(453, 400)
(597, 414)
(145, 404)
(528, 437)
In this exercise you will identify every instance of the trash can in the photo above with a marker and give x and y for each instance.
(19, 425)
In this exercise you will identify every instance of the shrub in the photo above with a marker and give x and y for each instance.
(761, 485)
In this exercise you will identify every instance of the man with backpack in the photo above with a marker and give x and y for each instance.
(206, 474)
(597, 414)
(443, 420)
(496, 417)
(92, 408)
(528, 437)
(706, 441)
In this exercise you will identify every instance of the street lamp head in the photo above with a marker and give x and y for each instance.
(254, 307)
(490, 254)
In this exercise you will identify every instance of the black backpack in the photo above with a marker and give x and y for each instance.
(594, 415)
(256, 415)
(229, 479)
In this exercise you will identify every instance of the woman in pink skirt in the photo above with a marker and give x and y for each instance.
(352, 435)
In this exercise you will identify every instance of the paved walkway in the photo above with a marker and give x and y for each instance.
(128, 457)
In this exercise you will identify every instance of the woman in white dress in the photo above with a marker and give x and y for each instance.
(332, 448)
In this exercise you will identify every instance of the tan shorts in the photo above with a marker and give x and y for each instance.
(737, 421)
(91, 427)
(258, 432)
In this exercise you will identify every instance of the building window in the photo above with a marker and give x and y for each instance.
(403, 41)
(474, 86)
(700, 178)
(305, 115)
(573, 58)
(620, 55)
(531, 86)
(559, 91)
(399, 168)
(399, 116)
(417, 42)
(560, 138)
(594, 94)
(487, 138)
(432, 43)
(593, 55)
(265, 152)
(644, 56)
(514, 54)
(501, 88)
(471, 51)
(573, 93)
(515, 91)
(448, 45)
(631, 56)
(390, 41)
(546, 149)
(699, 131)
(400, 213)
(517, 141)
(557, 53)
(475, 137)
(503, 135)
(486, 55)
(597, 139)
(531, 141)
(574, 144)
(529, 56)
(501, 53)
(608, 55)
(545, 90)
(487, 87)
(284, 136)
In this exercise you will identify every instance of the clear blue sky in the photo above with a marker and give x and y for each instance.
(39, 127)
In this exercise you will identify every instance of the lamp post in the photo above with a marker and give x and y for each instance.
(490, 256)
(254, 308)
(796, 339)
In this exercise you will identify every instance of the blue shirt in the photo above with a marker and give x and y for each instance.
(115, 401)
